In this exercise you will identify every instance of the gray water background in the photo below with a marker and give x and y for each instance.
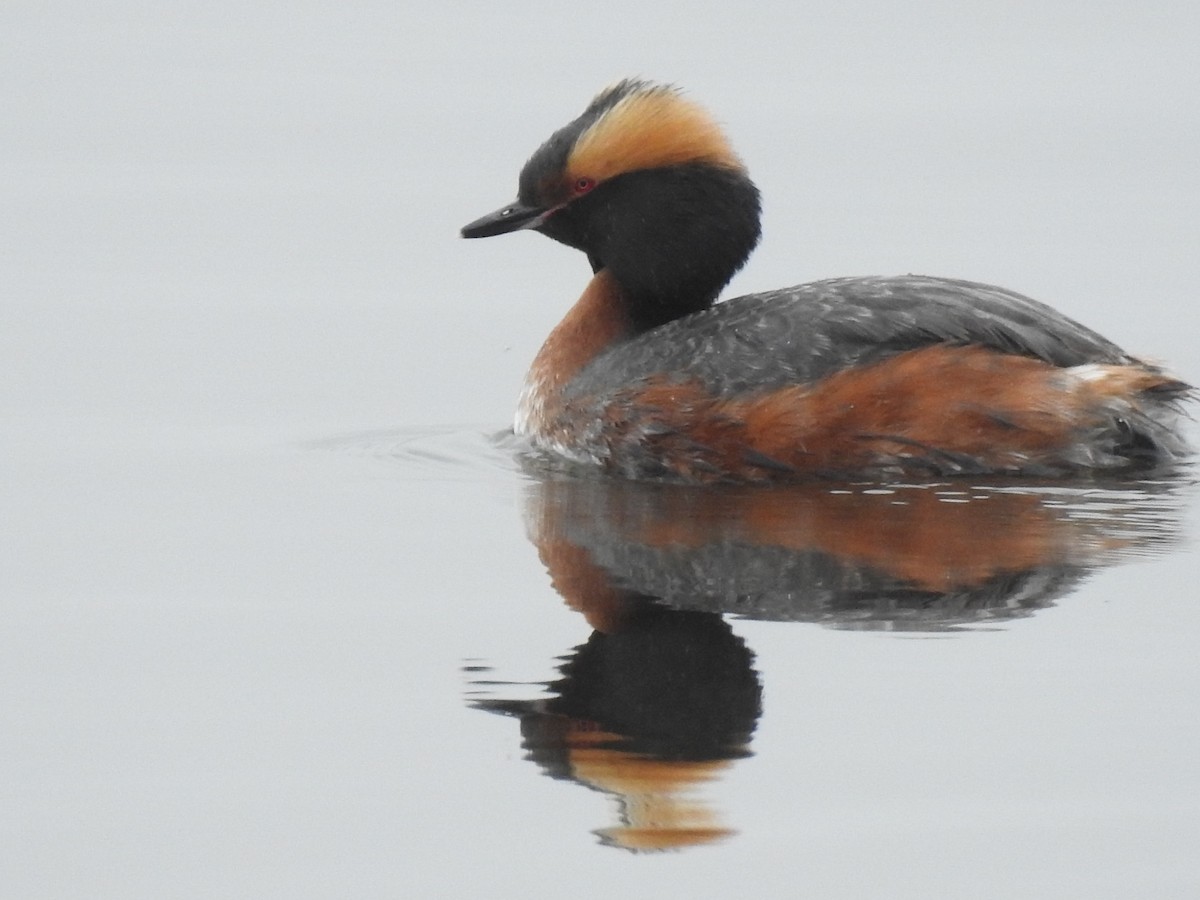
(253, 530)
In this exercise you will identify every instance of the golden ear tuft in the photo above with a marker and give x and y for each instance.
(650, 128)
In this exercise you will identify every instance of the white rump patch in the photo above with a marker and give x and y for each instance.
(1092, 372)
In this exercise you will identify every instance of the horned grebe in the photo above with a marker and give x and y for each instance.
(880, 376)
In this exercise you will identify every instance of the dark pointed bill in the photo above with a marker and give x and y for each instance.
(513, 217)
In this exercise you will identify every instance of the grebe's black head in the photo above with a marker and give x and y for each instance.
(646, 184)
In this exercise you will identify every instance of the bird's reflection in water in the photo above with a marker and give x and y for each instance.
(647, 710)
(663, 694)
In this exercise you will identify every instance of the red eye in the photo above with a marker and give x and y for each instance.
(583, 184)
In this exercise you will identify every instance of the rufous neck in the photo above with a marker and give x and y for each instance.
(598, 320)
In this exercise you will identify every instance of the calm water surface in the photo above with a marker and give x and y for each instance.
(279, 624)
(394, 660)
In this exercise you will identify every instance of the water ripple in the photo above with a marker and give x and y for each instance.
(434, 452)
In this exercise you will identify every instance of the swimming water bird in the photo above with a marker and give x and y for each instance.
(648, 377)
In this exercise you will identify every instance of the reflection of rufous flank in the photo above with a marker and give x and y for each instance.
(658, 809)
(918, 535)
(584, 586)
(921, 538)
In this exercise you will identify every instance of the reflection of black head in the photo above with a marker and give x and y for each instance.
(673, 685)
